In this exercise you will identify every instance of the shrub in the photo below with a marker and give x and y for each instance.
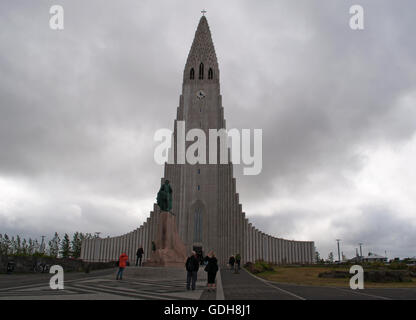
(398, 266)
(258, 267)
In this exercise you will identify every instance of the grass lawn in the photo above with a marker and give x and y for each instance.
(309, 276)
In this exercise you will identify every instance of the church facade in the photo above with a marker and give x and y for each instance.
(207, 207)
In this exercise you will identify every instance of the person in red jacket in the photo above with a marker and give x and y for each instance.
(122, 262)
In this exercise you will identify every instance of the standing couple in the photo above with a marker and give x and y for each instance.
(192, 267)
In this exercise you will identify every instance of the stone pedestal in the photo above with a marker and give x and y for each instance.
(170, 250)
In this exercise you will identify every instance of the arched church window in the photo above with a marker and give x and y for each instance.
(192, 74)
(201, 71)
(210, 74)
(198, 225)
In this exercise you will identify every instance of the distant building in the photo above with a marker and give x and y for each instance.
(372, 257)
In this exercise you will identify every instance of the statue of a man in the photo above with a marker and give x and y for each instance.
(164, 197)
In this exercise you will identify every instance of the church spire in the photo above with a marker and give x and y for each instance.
(202, 57)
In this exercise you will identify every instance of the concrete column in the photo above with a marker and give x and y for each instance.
(82, 250)
(127, 237)
(153, 227)
(85, 253)
(254, 243)
(294, 247)
(128, 244)
(146, 239)
(263, 256)
(297, 251)
(133, 249)
(134, 245)
(87, 249)
(259, 246)
(273, 247)
(110, 249)
(249, 256)
(114, 248)
(251, 243)
(269, 258)
(97, 249)
(266, 240)
(150, 234)
(287, 251)
(140, 236)
(312, 253)
(276, 250)
(303, 252)
(90, 244)
(131, 246)
(293, 250)
(254, 234)
(105, 243)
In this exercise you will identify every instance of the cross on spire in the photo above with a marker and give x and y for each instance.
(203, 12)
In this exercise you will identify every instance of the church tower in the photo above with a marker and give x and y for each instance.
(198, 196)
(205, 203)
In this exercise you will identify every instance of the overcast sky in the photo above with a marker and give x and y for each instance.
(79, 108)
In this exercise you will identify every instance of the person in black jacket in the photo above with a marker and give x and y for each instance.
(192, 266)
(211, 269)
(231, 262)
(139, 256)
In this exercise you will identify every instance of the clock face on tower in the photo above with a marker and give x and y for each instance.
(200, 94)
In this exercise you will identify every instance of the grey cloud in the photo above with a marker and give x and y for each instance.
(79, 107)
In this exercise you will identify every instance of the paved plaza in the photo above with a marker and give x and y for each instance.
(150, 283)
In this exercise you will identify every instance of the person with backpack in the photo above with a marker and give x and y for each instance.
(192, 267)
(139, 255)
(211, 269)
(122, 263)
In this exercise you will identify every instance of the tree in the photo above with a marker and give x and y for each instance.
(1, 244)
(76, 244)
(7, 245)
(36, 247)
(54, 245)
(65, 247)
(331, 257)
(18, 245)
(24, 249)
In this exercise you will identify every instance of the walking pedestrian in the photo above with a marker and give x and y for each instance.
(122, 263)
(139, 256)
